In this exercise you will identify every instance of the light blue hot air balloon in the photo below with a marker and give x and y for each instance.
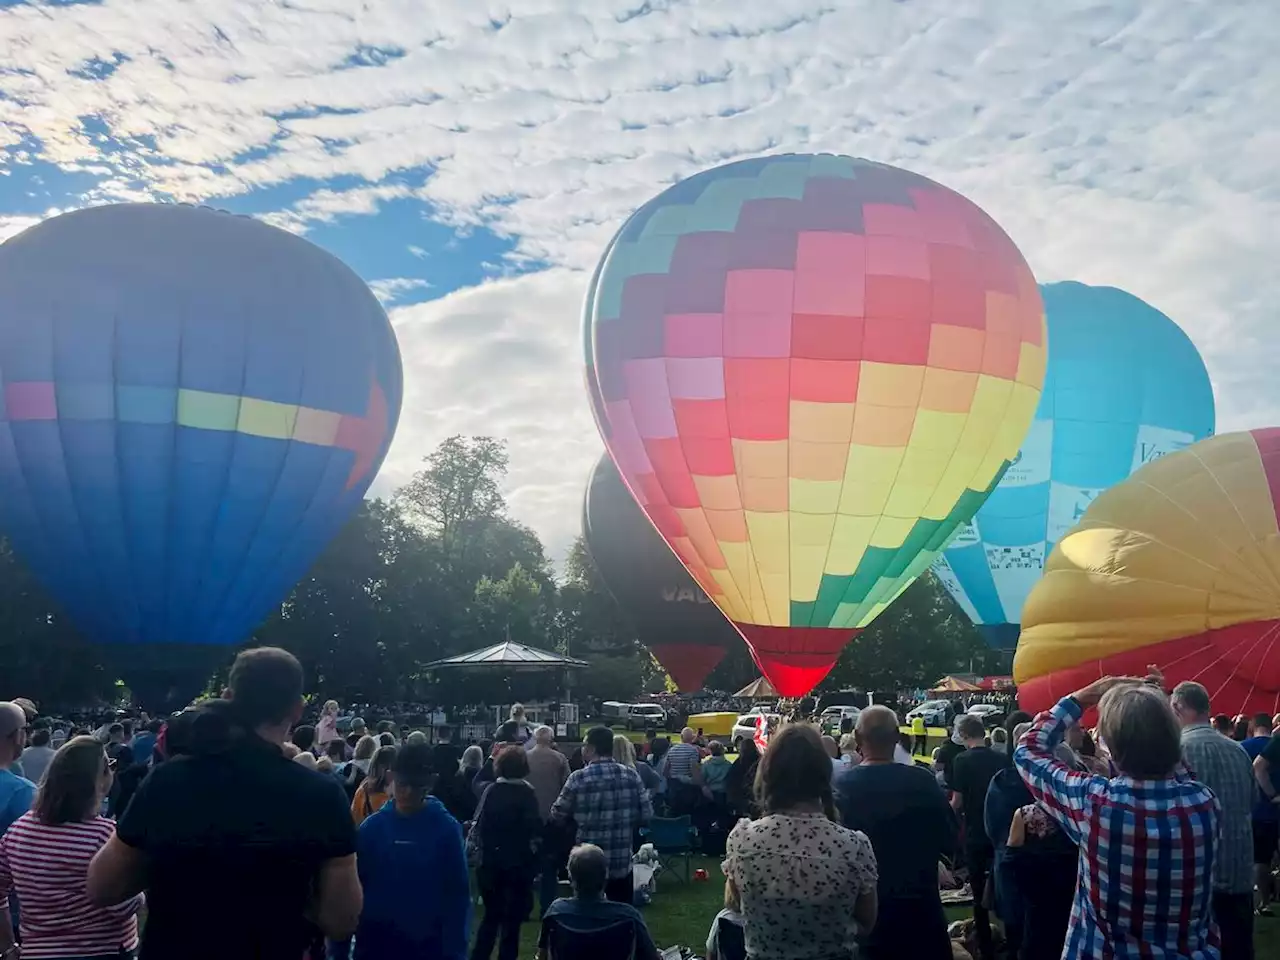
(1124, 386)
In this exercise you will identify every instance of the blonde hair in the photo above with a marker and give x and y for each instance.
(324, 765)
(331, 706)
(624, 751)
(366, 747)
(517, 711)
(307, 760)
(732, 898)
(849, 743)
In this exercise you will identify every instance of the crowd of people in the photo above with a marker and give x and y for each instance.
(239, 831)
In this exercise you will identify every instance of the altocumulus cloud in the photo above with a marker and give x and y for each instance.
(1130, 143)
(502, 359)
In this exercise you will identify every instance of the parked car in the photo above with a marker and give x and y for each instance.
(936, 713)
(833, 716)
(992, 714)
(645, 715)
(745, 728)
(634, 716)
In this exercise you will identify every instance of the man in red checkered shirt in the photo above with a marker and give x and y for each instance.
(1147, 836)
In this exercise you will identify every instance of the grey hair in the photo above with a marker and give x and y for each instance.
(472, 758)
(588, 869)
(1138, 726)
(1193, 696)
(878, 730)
(1020, 730)
(544, 735)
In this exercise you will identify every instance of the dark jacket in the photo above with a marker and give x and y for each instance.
(510, 826)
(1005, 795)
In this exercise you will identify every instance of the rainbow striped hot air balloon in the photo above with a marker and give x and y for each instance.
(1178, 566)
(810, 370)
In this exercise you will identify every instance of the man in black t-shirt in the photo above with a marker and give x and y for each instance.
(971, 774)
(241, 852)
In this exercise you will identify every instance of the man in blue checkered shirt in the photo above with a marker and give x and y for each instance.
(1147, 836)
(608, 802)
(1222, 765)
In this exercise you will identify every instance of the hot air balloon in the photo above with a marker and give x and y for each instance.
(1124, 385)
(193, 403)
(672, 616)
(1178, 566)
(811, 370)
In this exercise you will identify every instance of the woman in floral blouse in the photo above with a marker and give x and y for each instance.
(807, 885)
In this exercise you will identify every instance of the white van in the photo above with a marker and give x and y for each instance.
(633, 716)
(645, 715)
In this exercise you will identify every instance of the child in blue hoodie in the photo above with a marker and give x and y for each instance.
(417, 901)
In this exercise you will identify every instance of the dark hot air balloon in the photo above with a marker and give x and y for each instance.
(672, 616)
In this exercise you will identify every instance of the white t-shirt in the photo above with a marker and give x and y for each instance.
(901, 756)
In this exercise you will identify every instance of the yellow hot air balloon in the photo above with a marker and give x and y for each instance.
(1177, 566)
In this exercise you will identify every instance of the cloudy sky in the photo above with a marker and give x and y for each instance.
(471, 158)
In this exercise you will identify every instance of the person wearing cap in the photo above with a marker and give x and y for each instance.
(417, 896)
(16, 791)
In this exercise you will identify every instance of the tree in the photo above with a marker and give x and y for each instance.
(45, 657)
(460, 485)
(590, 620)
(919, 638)
(514, 607)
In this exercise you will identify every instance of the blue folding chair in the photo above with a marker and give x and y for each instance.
(672, 839)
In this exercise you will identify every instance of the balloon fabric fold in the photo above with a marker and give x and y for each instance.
(1123, 386)
(810, 370)
(1177, 566)
(192, 404)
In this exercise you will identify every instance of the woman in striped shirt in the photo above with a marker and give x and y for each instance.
(45, 856)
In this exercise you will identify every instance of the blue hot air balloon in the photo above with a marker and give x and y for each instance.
(1124, 386)
(192, 404)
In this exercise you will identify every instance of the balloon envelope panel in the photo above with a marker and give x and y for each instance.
(193, 403)
(1179, 566)
(811, 370)
(673, 617)
(1124, 386)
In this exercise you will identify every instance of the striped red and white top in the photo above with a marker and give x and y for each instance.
(48, 866)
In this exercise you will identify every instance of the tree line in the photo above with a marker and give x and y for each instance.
(441, 568)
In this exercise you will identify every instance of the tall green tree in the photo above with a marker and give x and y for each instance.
(919, 638)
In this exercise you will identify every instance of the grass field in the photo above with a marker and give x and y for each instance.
(681, 914)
